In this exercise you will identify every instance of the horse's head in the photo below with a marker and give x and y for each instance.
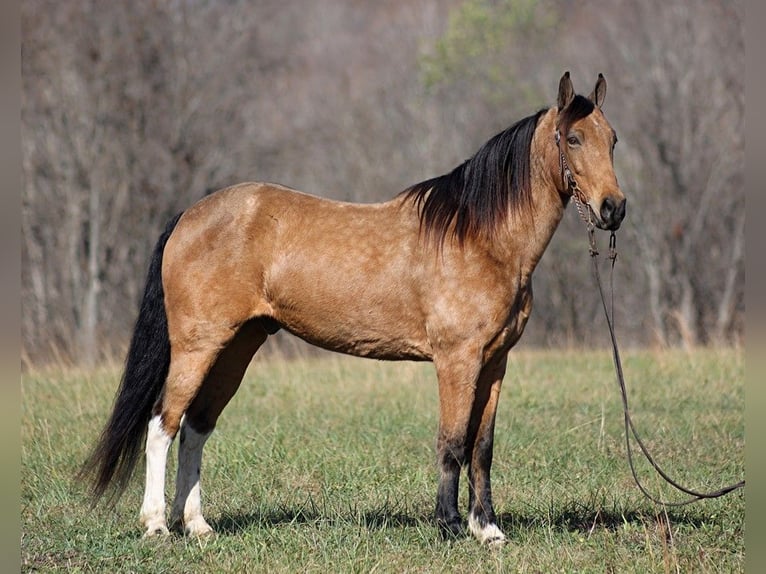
(585, 141)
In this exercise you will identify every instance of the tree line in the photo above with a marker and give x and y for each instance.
(133, 110)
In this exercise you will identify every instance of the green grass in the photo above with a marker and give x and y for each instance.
(327, 465)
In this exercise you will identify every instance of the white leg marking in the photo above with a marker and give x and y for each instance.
(153, 507)
(489, 534)
(187, 506)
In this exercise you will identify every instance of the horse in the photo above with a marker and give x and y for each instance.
(441, 272)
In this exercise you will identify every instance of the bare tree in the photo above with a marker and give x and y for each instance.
(124, 122)
(682, 160)
(132, 110)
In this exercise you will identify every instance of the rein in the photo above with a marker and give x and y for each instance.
(630, 429)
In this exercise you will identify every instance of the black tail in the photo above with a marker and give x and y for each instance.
(146, 367)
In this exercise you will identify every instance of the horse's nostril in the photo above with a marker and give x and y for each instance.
(607, 209)
(621, 209)
(612, 213)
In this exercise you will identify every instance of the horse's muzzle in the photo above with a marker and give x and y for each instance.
(612, 213)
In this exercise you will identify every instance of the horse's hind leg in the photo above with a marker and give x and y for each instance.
(153, 507)
(187, 514)
(186, 373)
(218, 388)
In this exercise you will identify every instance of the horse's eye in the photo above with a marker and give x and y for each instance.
(572, 140)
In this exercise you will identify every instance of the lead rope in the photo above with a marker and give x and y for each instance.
(629, 426)
(586, 215)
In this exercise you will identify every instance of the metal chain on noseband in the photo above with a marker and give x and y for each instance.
(580, 202)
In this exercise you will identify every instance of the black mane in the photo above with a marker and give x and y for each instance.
(480, 192)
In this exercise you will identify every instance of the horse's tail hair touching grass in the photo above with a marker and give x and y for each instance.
(110, 465)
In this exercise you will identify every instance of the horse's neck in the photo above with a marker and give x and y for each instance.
(530, 232)
(531, 237)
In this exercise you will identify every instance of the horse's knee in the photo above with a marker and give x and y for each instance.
(452, 450)
(452, 444)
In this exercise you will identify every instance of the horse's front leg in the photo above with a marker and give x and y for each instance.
(457, 387)
(481, 515)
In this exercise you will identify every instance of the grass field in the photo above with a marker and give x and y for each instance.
(327, 465)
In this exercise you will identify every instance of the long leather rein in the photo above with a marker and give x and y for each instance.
(586, 215)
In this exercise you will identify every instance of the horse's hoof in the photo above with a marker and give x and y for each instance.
(451, 529)
(490, 534)
(198, 528)
(496, 542)
(157, 531)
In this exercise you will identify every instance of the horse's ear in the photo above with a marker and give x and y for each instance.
(566, 91)
(599, 92)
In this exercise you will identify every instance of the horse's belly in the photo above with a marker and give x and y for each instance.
(361, 340)
(363, 322)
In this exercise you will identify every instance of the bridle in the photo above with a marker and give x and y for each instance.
(567, 177)
(570, 184)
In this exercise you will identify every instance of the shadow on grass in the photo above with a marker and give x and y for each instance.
(571, 516)
(382, 517)
(585, 518)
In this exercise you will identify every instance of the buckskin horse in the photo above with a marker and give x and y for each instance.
(441, 273)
